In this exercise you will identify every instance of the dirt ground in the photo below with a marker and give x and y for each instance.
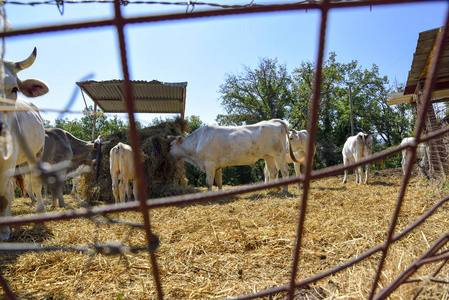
(238, 246)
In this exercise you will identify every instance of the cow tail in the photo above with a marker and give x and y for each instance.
(20, 182)
(292, 155)
(365, 136)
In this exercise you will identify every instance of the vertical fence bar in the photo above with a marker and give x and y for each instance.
(135, 144)
(312, 126)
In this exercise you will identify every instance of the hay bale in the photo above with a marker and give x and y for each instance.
(163, 175)
(81, 179)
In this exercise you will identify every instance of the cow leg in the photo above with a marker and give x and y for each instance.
(60, 196)
(135, 190)
(345, 162)
(272, 171)
(219, 178)
(37, 189)
(210, 174)
(121, 190)
(366, 173)
(266, 173)
(5, 208)
(115, 189)
(128, 190)
(285, 175)
(29, 187)
(404, 156)
(358, 174)
(297, 167)
(54, 194)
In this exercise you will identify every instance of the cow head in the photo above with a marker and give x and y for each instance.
(143, 156)
(298, 139)
(29, 87)
(175, 150)
(11, 86)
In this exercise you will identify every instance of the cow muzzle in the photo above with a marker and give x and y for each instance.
(5, 142)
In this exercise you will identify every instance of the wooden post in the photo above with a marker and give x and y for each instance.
(94, 121)
(437, 154)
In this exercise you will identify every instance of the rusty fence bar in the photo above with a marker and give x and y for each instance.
(144, 205)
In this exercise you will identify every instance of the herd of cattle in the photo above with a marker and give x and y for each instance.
(25, 144)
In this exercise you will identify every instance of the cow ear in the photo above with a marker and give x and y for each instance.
(33, 87)
(179, 140)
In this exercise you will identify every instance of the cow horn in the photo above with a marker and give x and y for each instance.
(20, 65)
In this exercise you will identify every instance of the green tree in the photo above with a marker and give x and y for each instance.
(370, 91)
(255, 95)
(332, 122)
(156, 121)
(82, 128)
(194, 123)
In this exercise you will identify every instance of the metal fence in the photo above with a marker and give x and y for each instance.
(434, 252)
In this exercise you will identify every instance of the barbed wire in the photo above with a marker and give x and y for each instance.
(190, 4)
(183, 3)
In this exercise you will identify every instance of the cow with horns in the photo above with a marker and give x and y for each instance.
(22, 133)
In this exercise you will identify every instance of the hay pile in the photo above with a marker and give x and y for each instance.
(163, 175)
(221, 250)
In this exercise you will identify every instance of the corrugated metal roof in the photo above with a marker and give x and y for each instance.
(149, 96)
(424, 47)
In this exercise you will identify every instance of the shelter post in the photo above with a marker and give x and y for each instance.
(94, 121)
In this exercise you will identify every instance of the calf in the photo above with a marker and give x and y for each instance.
(121, 163)
(298, 142)
(355, 149)
(211, 148)
(420, 151)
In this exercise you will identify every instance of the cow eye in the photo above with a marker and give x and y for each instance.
(15, 90)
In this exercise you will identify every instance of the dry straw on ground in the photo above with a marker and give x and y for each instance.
(238, 246)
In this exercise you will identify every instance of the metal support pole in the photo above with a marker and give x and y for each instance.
(350, 108)
(94, 121)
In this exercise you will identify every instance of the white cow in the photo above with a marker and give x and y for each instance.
(61, 146)
(25, 123)
(420, 151)
(298, 142)
(121, 163)
(211, 148)
(355, 149)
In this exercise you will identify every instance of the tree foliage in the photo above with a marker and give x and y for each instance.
(82, 128)
(260, 94)
(269, 91)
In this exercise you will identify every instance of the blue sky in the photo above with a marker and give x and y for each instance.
(203, 51)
